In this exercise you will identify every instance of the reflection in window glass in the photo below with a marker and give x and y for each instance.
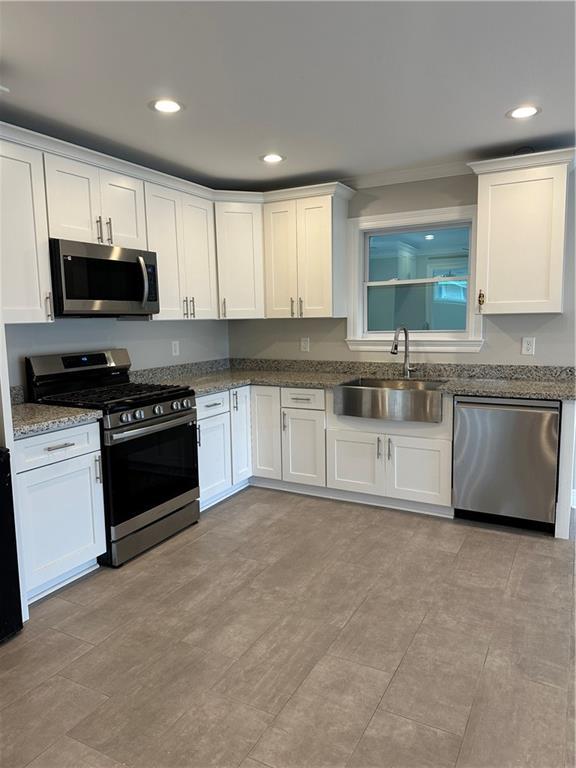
(418, 278)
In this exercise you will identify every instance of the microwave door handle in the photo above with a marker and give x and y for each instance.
(145, 279)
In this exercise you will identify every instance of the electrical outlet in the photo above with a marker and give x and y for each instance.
(305, 344)
(175, 349)
(528, 345)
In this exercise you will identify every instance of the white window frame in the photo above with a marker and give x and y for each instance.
(361, 340)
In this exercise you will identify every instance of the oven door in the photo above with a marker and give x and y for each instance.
(91, 279)
(150, 471)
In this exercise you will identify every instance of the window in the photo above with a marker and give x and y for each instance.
(417, 278)
(415, 270)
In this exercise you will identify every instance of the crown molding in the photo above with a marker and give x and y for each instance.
(336, 189)
(404, 175)
(532, 160)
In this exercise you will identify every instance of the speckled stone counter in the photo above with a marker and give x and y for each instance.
(521, 388)
(32, 419)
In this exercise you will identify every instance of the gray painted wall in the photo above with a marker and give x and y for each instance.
(554, 334)
(149, 343)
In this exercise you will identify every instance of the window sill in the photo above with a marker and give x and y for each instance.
(416, 345)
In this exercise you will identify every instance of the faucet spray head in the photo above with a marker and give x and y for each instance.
(394, 350)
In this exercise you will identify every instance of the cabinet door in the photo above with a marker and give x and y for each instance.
(239, 240)
(199, 252)
(314, 231)
(303, 446)
(73, 196)
(61, 509)
(123, 214)
(419, 469)
(280, 259)
(520, 254)
(266, 440)
(241, 434)
(23, 236)
(164, 223)
(214, 463)
(355, 461)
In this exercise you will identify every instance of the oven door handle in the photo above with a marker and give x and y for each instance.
(113, 438)
(145, 278)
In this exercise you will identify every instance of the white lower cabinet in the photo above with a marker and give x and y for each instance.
(419, 469)
(355, 461)
(395, 466)
(303, 446)
(61, 509)
(214, 456)
(266, 439)
(240, 425)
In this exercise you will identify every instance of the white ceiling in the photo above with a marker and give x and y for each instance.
(343, 89)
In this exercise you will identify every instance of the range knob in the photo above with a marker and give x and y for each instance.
(125, 418)
(157, 410)
(186, 403)
(176, 405)
(139, 414)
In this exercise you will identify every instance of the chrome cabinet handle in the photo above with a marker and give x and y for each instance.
(378, 447)
(283, 421)
(223, 307)
(389, 449)
(98, 462)
(185, 307)
(144, 279)
(109, 225)
(99, 231)
(213, 405)
(199, 433)
(49, 306)
(59, 447)
(301, 399)
(301, 306)
(235, 397)
(192, 306)
(291, 307)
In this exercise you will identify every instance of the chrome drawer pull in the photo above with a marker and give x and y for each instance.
(59, 447)
(199, 434)
(301, 399)
(99, 233)
(213, 405)
(98, 462)
(389, 449)
(110, 236)
(378, 447)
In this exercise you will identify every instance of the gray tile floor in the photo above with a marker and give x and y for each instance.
(293, 632)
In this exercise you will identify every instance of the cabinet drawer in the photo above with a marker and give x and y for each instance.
(212, 405)
(295, 397)
(40, 450)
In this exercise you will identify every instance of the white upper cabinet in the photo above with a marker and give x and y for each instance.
(164, 222)
(94, 205)
(281, 260)
(25, 280)
(304, 247)
(199, 253)
(314, 231)
(123, 210)
(73, 195)
(239, 240)
(521, 228)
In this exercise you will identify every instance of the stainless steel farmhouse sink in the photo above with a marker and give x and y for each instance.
(390, 399)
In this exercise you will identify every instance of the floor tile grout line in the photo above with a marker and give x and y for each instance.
(474, 698)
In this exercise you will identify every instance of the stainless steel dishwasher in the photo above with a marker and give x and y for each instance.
(506, 457)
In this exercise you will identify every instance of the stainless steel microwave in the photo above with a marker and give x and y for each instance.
(102, 280)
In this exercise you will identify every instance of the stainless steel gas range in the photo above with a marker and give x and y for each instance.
(149, 444)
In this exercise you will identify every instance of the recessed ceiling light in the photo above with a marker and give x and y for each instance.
(272, 158)
(167, 106)
(522, 112)
(428, 237)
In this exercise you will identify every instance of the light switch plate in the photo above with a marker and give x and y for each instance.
(528, 345)
(175, 349)
(305, 344)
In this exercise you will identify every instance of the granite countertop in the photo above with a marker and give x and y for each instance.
(32, 419)
(534, 389)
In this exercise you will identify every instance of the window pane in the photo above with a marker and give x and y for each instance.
(419, 253)
(420, 306)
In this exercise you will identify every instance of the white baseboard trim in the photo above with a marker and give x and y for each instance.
(51, 586)
(357, 498)
(206, 504)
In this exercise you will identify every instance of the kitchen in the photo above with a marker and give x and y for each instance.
(289, 452)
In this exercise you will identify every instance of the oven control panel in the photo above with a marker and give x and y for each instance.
(150, 412)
